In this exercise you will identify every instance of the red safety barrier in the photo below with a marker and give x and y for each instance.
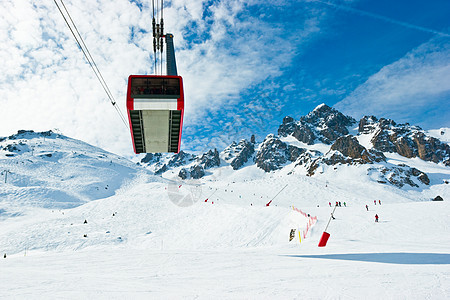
(311, 221)
(324, 239)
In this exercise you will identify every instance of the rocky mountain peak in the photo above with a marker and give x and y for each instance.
(324, 123)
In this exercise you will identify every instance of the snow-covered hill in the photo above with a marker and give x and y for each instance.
(77, 221)
(46, 169)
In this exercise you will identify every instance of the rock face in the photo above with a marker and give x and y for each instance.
(179, 159)
(238, 154)
(194, 172)
(197, 170)
(345, 150)
(310, 160)
(404, 139)
(274, 153)
(350, 147)
(19, 147)
(151, 158)
(209, 159)
(299, 130)
(324, 123)
(400, 176)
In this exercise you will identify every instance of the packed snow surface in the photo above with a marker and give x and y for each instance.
(147, 237)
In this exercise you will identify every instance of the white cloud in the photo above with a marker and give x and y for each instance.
(46, 83)
(414, 89)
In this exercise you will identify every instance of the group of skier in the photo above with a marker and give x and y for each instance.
(374, 203)
(338, 203)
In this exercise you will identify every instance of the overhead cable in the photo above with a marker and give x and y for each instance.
(83, 47)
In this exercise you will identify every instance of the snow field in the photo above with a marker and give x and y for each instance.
(224, 250)
(145, 240)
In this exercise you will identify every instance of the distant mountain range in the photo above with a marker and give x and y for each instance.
(323, 138)
(49, 168)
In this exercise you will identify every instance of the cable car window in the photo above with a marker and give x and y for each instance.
(155, 87)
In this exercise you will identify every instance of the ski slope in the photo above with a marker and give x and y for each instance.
(152, 237)
(154, 248)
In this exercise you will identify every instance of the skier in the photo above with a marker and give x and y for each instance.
(329, 203)
(379, 202)
(336, 203)
(367, 207)
(339, 203)
(376, 218)
(332, 216)
(375, 202)
(345, 204)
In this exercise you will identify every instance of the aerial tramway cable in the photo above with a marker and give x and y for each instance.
(89, 57)
(158, 34)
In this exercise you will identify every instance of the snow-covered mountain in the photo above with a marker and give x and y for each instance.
(47, 169)
(323, 141)
(77, 221)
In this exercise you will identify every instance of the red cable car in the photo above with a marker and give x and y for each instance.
(155, 103)
(155, 106)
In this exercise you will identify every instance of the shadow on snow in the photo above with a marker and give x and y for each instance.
(389, 258)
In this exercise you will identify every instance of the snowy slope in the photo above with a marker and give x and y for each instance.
(156, 237)
(50, 170)
(153, 248)
(443, 134)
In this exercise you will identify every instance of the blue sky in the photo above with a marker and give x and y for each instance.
(246, 64)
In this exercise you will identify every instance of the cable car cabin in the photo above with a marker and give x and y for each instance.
(155, 106)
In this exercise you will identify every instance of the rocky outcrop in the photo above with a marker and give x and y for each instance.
(400, 176)
(21, 134)
(404, 139)
(197, 172)
(151, 158)
(238, 154)
(430, 148)
(350, 147)
(209, 159)
(274, 153)
(184, 173)
(324, 123)
(299, 130)
(180, 159)
(161, 170)
(309, 160)
(194, 172)
(345, 150)
(438, 198)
